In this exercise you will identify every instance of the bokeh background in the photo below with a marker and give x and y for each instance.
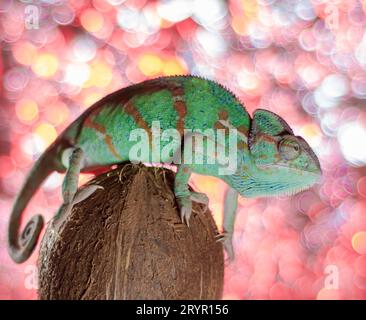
(303, 59)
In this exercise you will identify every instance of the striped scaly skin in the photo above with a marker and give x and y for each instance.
(270, 159)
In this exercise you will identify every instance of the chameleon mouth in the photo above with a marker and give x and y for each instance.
(311, 173)
(316, 175)
(296, 189)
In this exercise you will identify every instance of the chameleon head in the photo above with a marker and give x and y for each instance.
(283, 163)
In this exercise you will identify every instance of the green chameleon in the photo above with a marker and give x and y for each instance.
(270, 159)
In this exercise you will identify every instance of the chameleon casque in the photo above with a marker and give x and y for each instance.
(271, 160)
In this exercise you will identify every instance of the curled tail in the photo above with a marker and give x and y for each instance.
(21, 246)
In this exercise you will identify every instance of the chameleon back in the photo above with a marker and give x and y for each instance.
(182, 102)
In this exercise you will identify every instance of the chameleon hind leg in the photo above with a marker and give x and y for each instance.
(70, 193)
(183, 195)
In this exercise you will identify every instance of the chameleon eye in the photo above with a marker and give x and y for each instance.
(289, 149)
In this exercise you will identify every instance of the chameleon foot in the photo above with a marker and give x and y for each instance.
(61, 214)
(226, 239)
(185, 205)
(85, 193)
(80, 195)
(200, 198)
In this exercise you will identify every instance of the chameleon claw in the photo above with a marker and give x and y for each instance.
(185, 205)
(226, 239)
(228, 246)
(221, 237)
(185, 214)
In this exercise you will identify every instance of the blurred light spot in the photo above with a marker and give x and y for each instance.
(16, 79)
(92, 98)
(310, 74)
(5, 5)
(32, 144)
(146, 22)
(150, 64)
(174, 67)
(92, 20)
(280, 291)
(45, 65)
(209, 18)
(360, 51)
(359, 242)
(282, 16)
(352, 139)
(100, 75)
(355, 13)
(250, 8)
(212, 43)
(58, 114)
(135, 39)
(152, 18)
(63, 15)
(26, 110)
(53, 181)
(307, 40)
(47, 132)
(102, 6)
(328, 294)
(322, 100)
(330, 122)
(77, 73)
(11, 185)
(335, 86)
(175, 10)
(304, 10)
(259, 36)
(361, 186)
(248, 80)
(116, 2)
(358, 86)
(84, 48)
(239, 25)
(24, 52)
(7, 166)
(128, 19)
(360, 265)
(309, 104)
(360, 282)
(311, 133)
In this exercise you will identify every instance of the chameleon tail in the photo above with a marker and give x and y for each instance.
(20, 247)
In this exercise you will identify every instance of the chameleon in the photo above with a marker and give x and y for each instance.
(270, 159)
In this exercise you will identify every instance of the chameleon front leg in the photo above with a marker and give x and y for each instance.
(183, 195)
(70, 194)
(230, 208)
